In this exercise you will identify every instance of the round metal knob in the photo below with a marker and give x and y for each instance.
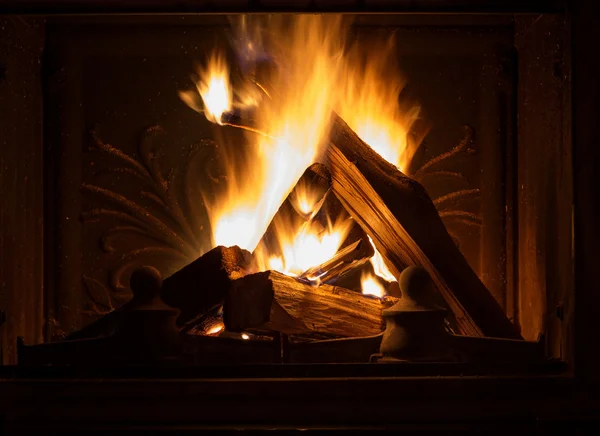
(145, 283)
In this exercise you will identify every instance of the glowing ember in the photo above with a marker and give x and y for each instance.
(370, 286)
(245, 336)
(215, 330)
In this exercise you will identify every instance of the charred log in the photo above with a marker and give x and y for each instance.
(201, 285)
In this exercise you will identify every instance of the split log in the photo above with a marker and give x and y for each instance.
(201, 285)
(346, 259)
(273, 301)
(397, 213)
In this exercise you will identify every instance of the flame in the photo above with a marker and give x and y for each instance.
(305, 199)
(368, 102)
(369, 283)
(370, 286)
(295, 124)
(379, 265)
(310, 75)
(310, 246)
(214, 88)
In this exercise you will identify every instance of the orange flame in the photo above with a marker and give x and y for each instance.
(369, 283)
(214, 88)
(370, 286)
(379, 265)
(312, 78)
(368, 102)
(310, 246)
(295, 122)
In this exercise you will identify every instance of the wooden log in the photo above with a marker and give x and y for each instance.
(201, 285)
(273, 301)
(397, 213)
(347, 258)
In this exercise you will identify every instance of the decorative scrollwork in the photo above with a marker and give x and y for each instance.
(171, 228)
(449, 203)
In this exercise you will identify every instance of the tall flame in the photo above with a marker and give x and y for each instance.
(309, 76)
(368, 102)
(295, 123)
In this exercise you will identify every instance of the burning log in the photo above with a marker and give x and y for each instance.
(273, 301)
(398, 214)
(201, 285)
(348, 258)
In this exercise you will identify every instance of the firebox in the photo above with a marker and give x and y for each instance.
(236, 205)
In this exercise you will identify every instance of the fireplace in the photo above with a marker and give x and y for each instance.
(331, 202)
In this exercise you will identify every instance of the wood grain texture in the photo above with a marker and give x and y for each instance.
(21, 187)
(277, 302)
(407, 230)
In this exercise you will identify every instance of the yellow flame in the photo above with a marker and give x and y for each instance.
(312, 76)
(368, 102)
(305, 199)
(370, 286)
(296, 122)
(379, 265)
(310, 246)
(214, 88)
(245, 336)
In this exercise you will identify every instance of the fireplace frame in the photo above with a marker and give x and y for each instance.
(575, 313)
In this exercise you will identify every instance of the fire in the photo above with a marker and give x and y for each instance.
(310, 75)
(370, 286)
(379, 265)
(215, 89)
(305, 199)
(368, 102)
(369, 283)
(295, 124)
(309, 247)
